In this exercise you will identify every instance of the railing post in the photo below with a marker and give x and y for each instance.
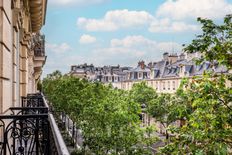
(73, 134)
(14, 126)
(49, 141)
(68, 123)
(37, 137)
(4, 143)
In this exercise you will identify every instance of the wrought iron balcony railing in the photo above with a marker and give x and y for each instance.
(38, 44)
(30, 130)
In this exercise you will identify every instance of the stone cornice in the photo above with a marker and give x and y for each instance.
(38, 13)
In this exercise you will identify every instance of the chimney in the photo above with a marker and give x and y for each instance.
(142, 64)
(73, 67)
(150, 64)
(172, 58)
(165, 56)
(182, 56)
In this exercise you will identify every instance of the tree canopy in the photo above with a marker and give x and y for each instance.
(206, 102)
(108, 117)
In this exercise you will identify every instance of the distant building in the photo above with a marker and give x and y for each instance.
(140, 72)
(165, 75)
(105, 74)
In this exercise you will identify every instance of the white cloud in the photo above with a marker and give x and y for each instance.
(144, 44)
(126, 51)
(181, 9)
(87, 39)
(166, 25)
(96, 25)
(113, 20)
(131, 49)
(117, 19)
(58, 48)
(118, 52)
(63, 3)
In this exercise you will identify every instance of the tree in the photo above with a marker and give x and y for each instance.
(208, 127)
(163, 110)
(108, 117)
(215, 43)
(207, 106)
(142, 94)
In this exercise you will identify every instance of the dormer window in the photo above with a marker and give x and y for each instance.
(207, 65)
(199, 67)
(169, 70)
(140, 75)
(174, 70)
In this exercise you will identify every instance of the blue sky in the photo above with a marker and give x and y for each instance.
(112, 32)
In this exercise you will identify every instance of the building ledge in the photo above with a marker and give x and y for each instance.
(38, 13)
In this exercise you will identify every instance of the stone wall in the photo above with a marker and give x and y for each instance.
(163, 85)
(6, 56)
(17, 77)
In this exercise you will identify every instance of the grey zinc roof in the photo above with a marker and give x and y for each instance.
(188, 68)
(171, 71)
(139, 69)
(199, 69)
(156, 73)
(159, 68)
(159, 64)
(221, 69)
(80, 70)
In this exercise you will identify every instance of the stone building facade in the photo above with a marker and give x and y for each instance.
(165, 75)
(22, 54)
(105, 74)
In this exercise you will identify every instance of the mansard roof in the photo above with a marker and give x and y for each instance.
(161, 69)
(139, 69)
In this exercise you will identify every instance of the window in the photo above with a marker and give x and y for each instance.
(135, 75)
(144, 75)
(140, 75)
(173, 85)
(168, 85)
(163, 85)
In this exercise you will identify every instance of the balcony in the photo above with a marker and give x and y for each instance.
(39, 59)
(31, 130)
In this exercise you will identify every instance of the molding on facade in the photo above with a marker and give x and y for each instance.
(38, 13)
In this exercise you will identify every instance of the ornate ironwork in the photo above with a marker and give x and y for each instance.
(38, 45)
(28, 130)
(25, 135)
(33, 100)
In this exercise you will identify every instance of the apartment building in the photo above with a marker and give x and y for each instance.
(22, 54)
(165, 75)
(105, 74)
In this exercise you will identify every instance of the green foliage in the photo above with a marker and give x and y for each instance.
(208, 127)
(215, 43)
(142, 94)
(108, 117)
(204, 104)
